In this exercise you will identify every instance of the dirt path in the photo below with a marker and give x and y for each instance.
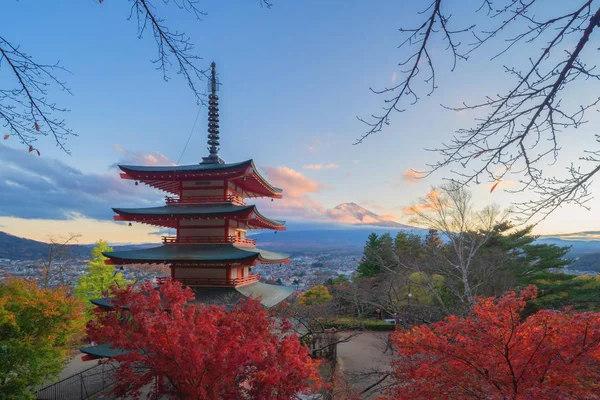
(364, 359)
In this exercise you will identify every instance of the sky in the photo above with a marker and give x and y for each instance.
(293, 80)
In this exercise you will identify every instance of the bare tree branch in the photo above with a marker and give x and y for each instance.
(24, 108)
(524, 127)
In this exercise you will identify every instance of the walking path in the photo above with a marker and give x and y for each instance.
(365, 359)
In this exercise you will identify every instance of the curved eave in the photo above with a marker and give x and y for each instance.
(169, 213)
(103, 303)
(254, 183)
(259, 221)
(195, 254)
(101, 351)
(167, 178)
(168, 217)
(181, 171)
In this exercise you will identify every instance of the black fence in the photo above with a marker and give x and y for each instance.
(80, 386)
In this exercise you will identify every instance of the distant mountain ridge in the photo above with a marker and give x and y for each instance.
(18, 248)
(302, 238)
(353, 214)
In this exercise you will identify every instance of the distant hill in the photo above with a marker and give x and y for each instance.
(15, 248)
(588, 263)
(302, 238)
(18, 248)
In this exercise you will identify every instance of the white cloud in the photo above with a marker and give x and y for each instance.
(318, 167)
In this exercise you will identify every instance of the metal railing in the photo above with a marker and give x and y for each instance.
(80, 386)
(206, 199)
(207, 239)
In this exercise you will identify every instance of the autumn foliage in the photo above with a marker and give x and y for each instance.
(36, 329)
(495, 354)
(200, 351)
(316, 295)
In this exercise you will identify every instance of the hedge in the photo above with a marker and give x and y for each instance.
(345, 324)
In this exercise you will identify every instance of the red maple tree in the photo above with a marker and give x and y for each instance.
(495, 354)
(200, 352)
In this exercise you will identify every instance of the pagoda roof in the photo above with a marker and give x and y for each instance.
(102, 351)
(167, 178)
(195, 253)
(167, 215)
(185, 168)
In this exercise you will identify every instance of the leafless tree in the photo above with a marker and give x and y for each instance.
(25, 107)
(59, 253)
(526, 125)
(450, 211)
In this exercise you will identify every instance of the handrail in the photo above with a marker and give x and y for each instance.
(230, 198)
(215, 281)
(207, 239)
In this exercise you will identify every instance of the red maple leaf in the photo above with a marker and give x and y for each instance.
(199, 351)
(495, 354)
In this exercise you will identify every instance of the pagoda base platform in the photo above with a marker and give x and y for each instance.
(270, 295)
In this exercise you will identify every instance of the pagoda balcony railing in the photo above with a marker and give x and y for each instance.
(215, 281)
(207, 240)
(238, 200)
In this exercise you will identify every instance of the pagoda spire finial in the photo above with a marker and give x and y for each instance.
(213, 120)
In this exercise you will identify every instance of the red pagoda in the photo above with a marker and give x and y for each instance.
(206, 206)
(210, 251)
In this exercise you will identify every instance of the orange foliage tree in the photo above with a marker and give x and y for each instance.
(495, 354)
(316, 295)
(197, 351)
(37, 327)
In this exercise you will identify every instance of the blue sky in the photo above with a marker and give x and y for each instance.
(294, 78)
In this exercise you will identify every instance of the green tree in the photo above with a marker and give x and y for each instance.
(338, 280)
(368, 264)
(528, 262)
(36, 328)
(407, 244)
(98, 277)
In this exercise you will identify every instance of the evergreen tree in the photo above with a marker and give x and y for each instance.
(407, 244)
(98, 277)
(387, 256)
(369, 265)
(542, 265)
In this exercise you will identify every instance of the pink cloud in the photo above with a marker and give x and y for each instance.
(296, 189)
(318, 167)
(411, 176)
(298, 203)
(139, 158)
